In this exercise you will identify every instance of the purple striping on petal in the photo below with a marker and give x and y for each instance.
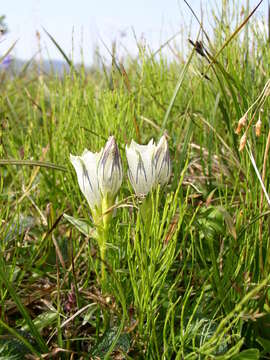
(86, 175)
(140, 169)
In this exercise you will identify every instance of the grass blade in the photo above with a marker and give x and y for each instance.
(8, 51)
(19, 337)
(33, 163)
(59, 48)
(21, 308)
(176, 90)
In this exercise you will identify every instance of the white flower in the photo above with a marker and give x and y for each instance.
(110, 172)
(99, 174)
(162, 162)
(86, 169)
(140, 166)
(149, 165)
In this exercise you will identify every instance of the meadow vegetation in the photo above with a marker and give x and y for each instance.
(191, 282)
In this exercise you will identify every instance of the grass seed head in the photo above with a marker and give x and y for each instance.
(243, 142)
(258, 127)
(241, 123)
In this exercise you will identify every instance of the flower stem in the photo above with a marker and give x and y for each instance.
(102, 249)
(102, 258)
(102, 242)
(106, 203)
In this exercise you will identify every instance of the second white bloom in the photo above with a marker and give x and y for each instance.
(149, 165)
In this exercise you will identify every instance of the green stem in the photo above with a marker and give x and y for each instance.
(102, 249)
(106, 203)
(103, 235)
(103, 257)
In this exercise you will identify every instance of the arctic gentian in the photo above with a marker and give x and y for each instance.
(148, 165)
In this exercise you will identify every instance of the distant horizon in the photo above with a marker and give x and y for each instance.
(97, 25)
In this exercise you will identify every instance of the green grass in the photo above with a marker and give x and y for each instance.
(192, 283)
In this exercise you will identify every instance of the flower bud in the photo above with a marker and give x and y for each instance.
(110, 172)
(86, 169)
(99, 176)
(141, 170)
(149, 165)
(162, 162)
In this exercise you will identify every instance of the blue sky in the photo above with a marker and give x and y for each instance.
(90, 21)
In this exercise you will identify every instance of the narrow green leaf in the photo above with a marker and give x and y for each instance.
(32, 328)
(265, 343)
(176, 90)
(42, 320)
(81, 225)
(250, 354)
(32, 163)
(17, 341)
(229, 221)
(59, 48)
(8, 51)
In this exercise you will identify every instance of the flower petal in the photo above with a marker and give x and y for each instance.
(110, 172)
(86, 169)
(162, 162)
(141, 166)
